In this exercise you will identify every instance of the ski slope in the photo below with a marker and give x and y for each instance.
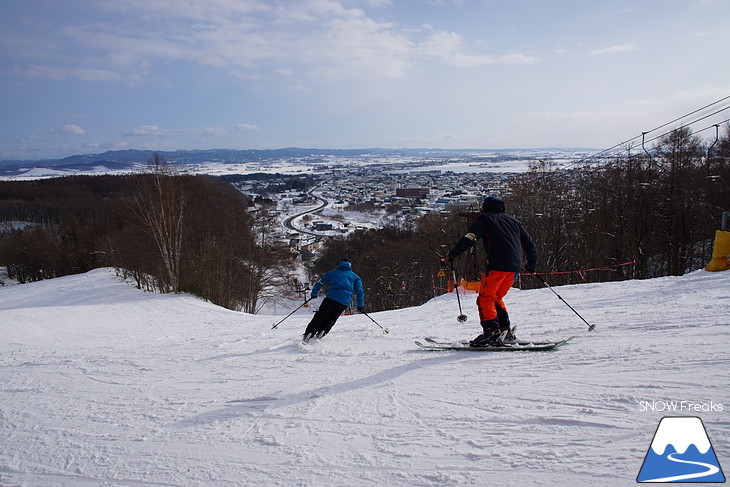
(105, 385)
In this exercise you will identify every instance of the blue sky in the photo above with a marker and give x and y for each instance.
(84, 76)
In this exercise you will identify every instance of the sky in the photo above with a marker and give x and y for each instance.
(87, 76)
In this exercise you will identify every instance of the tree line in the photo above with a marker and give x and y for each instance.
(177, 233)
(658, 208)
(166, 231)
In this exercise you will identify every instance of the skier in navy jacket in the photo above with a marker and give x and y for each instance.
(343, 284)
(505, 240)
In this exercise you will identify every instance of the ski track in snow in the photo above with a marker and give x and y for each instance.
(103, 384)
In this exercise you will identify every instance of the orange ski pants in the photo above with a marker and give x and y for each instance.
(494, 287)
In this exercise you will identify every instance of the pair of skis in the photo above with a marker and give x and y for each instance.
(520, 345)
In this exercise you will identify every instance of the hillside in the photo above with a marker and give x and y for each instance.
(106, 385)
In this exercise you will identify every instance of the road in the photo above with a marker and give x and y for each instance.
(288, 222)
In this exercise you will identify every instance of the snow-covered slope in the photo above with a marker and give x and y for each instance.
(102, 384)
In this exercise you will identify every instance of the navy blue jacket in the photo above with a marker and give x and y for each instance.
(343, 284)
(505, 240)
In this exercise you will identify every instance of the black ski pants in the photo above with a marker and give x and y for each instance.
(325, 317)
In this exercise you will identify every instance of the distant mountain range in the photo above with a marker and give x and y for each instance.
(121, 160)
(132, 157)
(127, 159)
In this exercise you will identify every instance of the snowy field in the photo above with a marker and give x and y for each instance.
(105, 385)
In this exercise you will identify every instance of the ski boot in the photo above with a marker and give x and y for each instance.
(492, 335)
(508, 332)
(508, 335)
(310, 335)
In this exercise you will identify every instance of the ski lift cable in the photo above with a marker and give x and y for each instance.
(690, 123)
(690, 113)
(643, 134)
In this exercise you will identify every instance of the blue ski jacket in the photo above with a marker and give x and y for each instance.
(343, 283)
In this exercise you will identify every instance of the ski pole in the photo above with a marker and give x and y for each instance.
(385, 330)
(590, 327)
(287, 316)
(462, 317)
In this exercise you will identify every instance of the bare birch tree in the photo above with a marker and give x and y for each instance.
(159, 204)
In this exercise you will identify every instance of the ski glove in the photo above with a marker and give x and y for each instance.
(361, 309)
(530, 270)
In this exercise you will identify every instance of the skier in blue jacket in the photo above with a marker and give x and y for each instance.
(343, 284)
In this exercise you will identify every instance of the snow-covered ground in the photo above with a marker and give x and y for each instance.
(105, 385)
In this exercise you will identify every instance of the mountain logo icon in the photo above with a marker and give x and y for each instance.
(680, 452)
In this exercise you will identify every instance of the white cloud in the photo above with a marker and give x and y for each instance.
(449, 48)
(153, 131)
(70, 129)
(213, 131)
(146, 131)
(245, 127)
(321, 38)
(615, 49)
(445, 2)
(379, 3)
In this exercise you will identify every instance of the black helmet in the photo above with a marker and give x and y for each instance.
(492, 204)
